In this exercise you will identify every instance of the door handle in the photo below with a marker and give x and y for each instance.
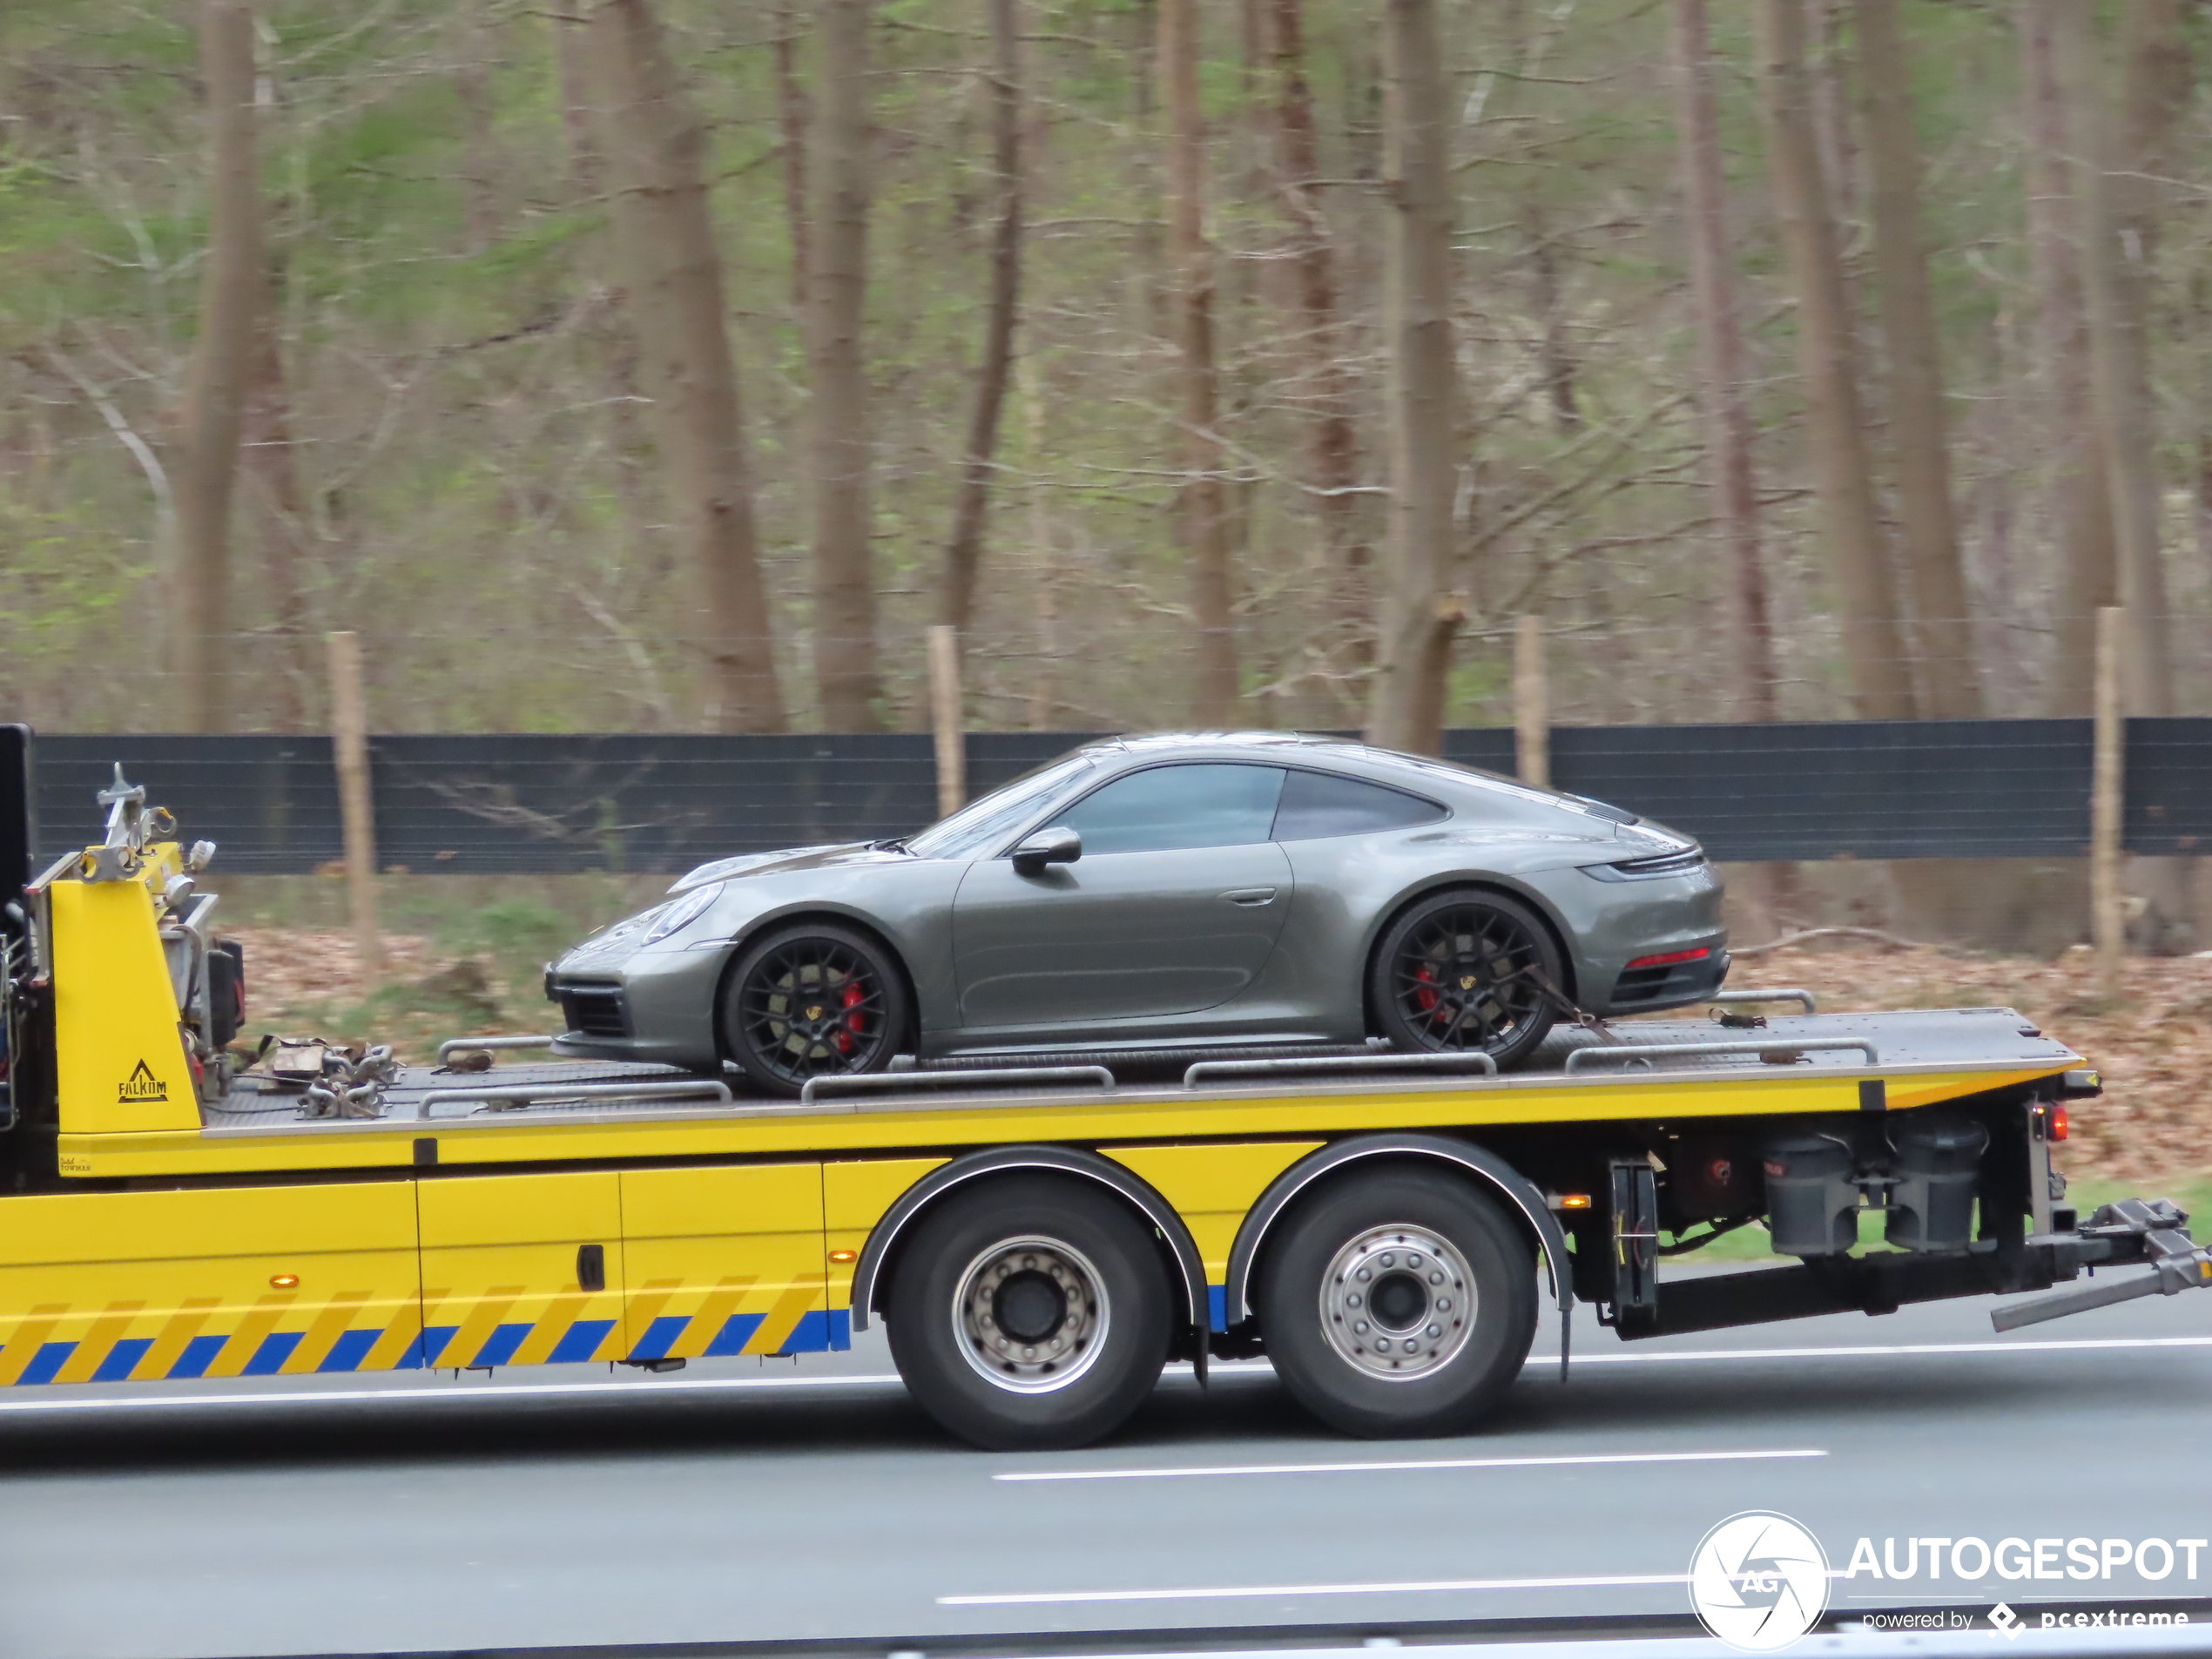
(1250, 898)
(591, 1267)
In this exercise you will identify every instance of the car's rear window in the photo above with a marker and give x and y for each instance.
(1316, 804)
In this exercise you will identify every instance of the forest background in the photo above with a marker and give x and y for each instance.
(655, 365)
(659, 365)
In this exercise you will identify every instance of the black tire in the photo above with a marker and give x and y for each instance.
(1464, 971)
(811, 1000)
(1068, 1258)
(1389, 1223)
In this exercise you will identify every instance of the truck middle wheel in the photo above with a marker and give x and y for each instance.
(1397, 1301)
(1030, 1312)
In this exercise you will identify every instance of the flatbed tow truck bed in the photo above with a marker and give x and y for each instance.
(1039, 1234)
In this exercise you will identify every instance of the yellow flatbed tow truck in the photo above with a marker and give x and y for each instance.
(1038, 1240)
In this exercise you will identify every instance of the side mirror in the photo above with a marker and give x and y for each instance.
(1059, 845)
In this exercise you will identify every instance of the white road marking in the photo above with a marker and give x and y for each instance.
(2084, 1344)
(1250, 1592)
(674, 1385)
(1397, 1466)
(451, 1391)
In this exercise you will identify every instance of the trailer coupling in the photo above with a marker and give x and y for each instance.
(2135, 1230)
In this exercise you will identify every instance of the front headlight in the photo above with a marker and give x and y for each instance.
(675, 917)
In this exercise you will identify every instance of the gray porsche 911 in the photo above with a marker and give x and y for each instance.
(1164, 893)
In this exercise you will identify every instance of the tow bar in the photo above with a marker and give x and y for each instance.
(2152, 1231)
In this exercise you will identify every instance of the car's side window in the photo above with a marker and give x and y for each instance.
(1164, 809)
(1320, 804)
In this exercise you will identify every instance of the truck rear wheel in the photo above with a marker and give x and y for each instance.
(1030, 1312)
(1398, 1302)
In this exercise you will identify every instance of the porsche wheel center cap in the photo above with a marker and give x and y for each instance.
(814, 1013)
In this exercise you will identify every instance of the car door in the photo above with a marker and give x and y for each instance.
(1173, 908)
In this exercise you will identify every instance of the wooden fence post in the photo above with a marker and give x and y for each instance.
(350, 742)
(2108, 785)
(1531, 714)
(945, 720)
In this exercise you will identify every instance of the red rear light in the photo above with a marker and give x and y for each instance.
(2058, 1124)
(1670, 958)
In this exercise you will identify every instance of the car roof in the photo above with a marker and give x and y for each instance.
(1270, 744)
(1320, 747)
(1422, 773)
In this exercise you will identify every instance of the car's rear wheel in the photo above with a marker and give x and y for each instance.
(812, 1001)
(1398, 1302)
(1463, 972)
(1030, 1311)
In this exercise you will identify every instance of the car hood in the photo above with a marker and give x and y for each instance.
(789, 860)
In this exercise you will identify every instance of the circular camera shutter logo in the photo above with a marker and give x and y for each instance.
(1759, 1580)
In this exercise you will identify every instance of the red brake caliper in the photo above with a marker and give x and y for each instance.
(854, 1023)
(1425, 999)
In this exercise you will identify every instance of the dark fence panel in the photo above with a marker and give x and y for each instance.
(1868, 789)
(270, 803)
(517, 803)
(2170, 786)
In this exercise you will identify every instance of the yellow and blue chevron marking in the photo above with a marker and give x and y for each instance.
(181, 1350)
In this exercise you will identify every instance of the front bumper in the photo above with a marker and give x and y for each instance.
(657, 1006)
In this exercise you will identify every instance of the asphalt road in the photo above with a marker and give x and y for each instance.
(751, 1499)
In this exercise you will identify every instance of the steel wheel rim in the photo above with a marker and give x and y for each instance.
(1000, 1315)
(1467, 978)
(813, 1008)
(1399, 1302)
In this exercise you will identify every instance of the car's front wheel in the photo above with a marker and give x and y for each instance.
(812, 1001)
(1466, 971)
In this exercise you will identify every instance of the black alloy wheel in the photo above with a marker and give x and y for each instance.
(1396, 1300)
(813, 1000)
(1467, 972)
(1028, 1313)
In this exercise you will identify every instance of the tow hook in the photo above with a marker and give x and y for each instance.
(2151, 1231)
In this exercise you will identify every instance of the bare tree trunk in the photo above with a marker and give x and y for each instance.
(1728, 414)
(1828, 83)
(655, 148)
(1044, 685)
(964, 553)
(480, 157)
(2115, 302)
(572, 71)
(1335, 447)
(844, 655)
(1206, 522)
(1858, 553)
(278, 513)
(793, 117)
(2079, 509)
(1555, 354)
(1421, 611)
(231, 291)
(1950, 687)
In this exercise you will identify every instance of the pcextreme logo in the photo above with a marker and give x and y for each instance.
(1759, 1580)
(142, 1085)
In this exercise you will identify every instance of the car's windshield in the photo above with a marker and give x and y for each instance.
(979, 824)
